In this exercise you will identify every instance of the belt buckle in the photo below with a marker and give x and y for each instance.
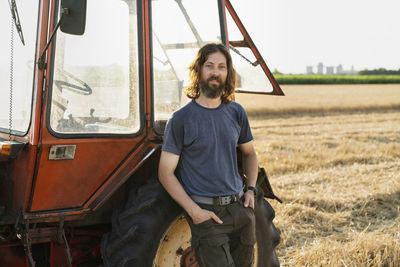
(226, 200)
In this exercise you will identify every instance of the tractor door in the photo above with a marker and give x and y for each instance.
(93, 127)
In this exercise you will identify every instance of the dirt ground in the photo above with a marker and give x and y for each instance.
(333, 156)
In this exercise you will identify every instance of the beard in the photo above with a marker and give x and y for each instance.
(212, 90)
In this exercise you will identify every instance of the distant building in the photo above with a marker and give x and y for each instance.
(310, 70)
(339, 69)
(352, 71)
(330, 70)
(320, 68)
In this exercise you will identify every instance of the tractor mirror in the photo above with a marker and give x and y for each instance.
(73, 14)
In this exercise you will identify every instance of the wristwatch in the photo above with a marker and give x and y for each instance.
(252, 188)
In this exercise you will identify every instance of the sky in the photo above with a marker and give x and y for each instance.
(292, 34)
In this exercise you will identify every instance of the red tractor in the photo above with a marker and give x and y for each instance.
(86, 90)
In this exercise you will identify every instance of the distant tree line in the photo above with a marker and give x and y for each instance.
(380, 71)
(276, 71)
(336, 79)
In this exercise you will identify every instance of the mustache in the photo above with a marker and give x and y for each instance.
(214, 78)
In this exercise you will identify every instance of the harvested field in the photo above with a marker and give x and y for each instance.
(333, 156)
(326, 99)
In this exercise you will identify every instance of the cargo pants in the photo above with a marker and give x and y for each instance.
(230, 244)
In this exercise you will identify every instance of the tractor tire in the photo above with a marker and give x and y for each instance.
(138, 228)
(150, 231)
(268, 236)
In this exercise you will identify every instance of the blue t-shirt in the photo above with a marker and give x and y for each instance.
(206, 141)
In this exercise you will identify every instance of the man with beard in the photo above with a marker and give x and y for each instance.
(198, 165)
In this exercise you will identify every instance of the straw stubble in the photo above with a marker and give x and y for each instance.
(338, 174)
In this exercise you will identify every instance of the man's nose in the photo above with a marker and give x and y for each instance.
(215, 72)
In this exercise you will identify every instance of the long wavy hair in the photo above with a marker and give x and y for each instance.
(193, 90)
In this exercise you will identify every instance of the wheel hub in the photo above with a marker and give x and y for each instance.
(174, 249)
(188, 258)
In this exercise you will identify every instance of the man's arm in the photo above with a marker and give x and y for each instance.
(250, 166)
(166, 169)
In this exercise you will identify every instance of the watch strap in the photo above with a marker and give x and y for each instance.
(252, 188)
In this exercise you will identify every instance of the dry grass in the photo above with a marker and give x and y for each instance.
(303, 99)
(336, 166)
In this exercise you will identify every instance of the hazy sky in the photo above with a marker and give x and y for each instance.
(292, 34)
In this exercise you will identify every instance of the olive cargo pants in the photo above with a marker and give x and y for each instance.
(230, 244)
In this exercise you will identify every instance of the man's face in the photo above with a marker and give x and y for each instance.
(213, 75)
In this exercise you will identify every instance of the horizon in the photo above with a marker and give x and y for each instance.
(346, 71)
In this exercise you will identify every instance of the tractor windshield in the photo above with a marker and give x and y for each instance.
(180, 28)
(17, 53)
(100, 69)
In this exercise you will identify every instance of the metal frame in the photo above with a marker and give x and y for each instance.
(248, 42)
(50, 88)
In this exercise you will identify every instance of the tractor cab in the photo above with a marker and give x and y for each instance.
(86, 88)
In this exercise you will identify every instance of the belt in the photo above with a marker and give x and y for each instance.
(221, 200)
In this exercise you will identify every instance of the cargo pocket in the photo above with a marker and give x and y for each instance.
(244, 254)
(248, 239)
(248, 234)
(213, 252)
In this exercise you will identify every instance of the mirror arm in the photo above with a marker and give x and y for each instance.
(41, 62)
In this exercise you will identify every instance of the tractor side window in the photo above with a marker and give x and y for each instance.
(17, 65)
(253, 74)
(180, 28)
(95, 83)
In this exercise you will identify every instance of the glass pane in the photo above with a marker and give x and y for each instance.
(23, 63)
(179, 29)
(96, 84)
(250, 78)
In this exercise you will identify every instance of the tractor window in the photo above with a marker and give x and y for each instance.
(95, 83)
(253, 75)
(180, 28)
(16, 65)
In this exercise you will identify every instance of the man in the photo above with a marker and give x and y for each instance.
(198, 165)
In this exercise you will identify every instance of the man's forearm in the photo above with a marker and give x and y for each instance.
(166, 168)
(176, 191)
(251, 169)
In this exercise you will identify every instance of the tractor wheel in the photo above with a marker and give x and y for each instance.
(138, 228)
(268, 236)
(152, 232)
